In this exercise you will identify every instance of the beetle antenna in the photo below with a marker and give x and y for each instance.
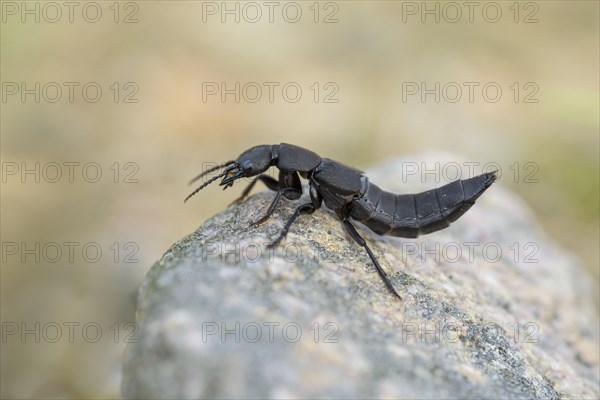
(205, 184)
(211, 169)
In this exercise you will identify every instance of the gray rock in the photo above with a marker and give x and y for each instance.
(220, 316)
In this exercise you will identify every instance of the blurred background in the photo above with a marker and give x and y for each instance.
(109, 108)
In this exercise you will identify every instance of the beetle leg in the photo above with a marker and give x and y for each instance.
(361, 242)
(307, 208)
(269, 212)
(290, 187)
(291, 182)
(271, 209)
(304, 209)
(271, 183)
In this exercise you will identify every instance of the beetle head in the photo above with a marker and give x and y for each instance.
(250, 163)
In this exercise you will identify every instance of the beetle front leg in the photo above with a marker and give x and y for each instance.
(271, 183)
(290, 187)
(304, 209)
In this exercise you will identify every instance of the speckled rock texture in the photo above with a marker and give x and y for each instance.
(492, 308)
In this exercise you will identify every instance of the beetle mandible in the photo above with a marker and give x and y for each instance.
(348, 192)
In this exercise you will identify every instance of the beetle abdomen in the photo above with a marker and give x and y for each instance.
(409, 215)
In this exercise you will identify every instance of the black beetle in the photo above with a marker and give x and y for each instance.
(349, 194)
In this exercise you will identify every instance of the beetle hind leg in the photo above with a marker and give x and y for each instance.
(361, 242)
